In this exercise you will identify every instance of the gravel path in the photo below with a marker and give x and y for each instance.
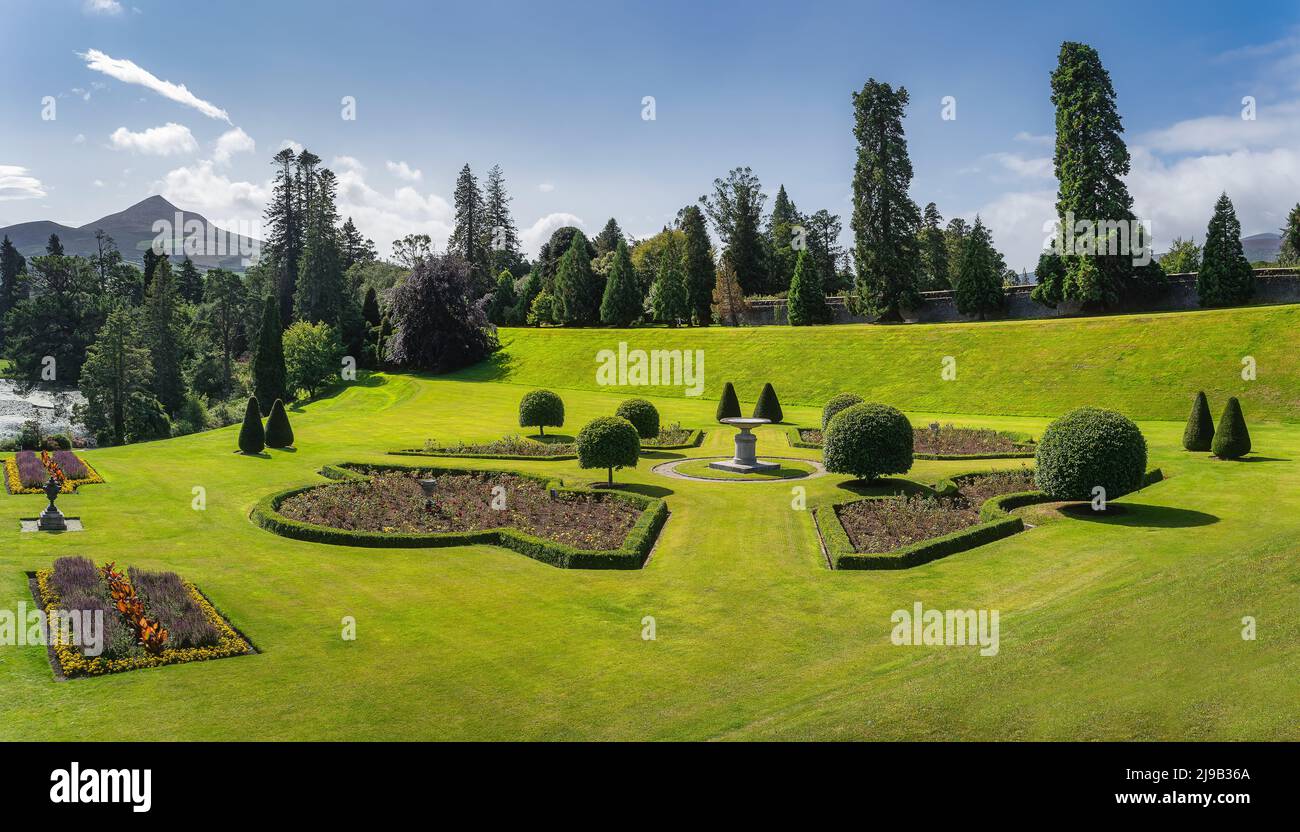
(669, 469)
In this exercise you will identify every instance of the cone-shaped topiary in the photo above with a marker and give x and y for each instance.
(1232, 441)
(643, 416)
(279, 433)
(252, 439)
(608, 442)
(867, 440)
(1089, 448)
(541, 408)
(768, 406)
(838, 402)
(1199, 433)
(728, 405)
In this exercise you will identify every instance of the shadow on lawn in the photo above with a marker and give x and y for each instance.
(661, 455)
(551, 438)
(635, 488)
(1142, 515)
(1261, 459)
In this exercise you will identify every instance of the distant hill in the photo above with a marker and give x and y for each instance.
(133, 231)
(1264, 246)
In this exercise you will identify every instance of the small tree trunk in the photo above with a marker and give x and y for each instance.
(611, 476)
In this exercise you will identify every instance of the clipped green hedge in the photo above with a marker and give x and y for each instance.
(448, 454)
(631, 555)
(692, 441)
(797, 441)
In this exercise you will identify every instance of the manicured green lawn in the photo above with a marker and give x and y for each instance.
(1121, 629)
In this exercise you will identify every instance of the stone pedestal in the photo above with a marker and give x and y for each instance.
(51, 520)
(746, 460)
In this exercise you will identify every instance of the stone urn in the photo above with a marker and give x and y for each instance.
(52, 520)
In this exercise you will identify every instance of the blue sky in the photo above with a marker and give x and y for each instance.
(553, 93)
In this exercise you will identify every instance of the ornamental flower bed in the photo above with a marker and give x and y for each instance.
(395, 502)
(26, 472)
(507, 446)
(150, 619)
(949, 441)
(671, 436)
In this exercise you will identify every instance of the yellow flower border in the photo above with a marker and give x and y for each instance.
(15, 483)
(74, 664)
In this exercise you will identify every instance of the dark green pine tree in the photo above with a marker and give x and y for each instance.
(355, 248)
(935, 274)
(504, 300)
(608, 238)
(780, 240)
(728, 404)
(284, 230)
(164, 329)
(621, 304)
(1232, 441)
(1091, 161)
(472, 236)
(268, 359)
(806, 303)
(1199, 433)
(54, 246)
(319, 292)
(697, 262)
(669, 297)
(768, 406)
(979, 277)
(736, 208)
(528, 293)
(252, 436)
(279, 433)
(1289, 255)
(189, 283)
(12, 266)
(577, 288)
(1225, 278)
(370, 308)
(503, 237)
(885, 219)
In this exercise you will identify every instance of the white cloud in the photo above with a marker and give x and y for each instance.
(80, 138)
(168, 140)
(1035, 138)
(349, 162)
(1016, 221)
(1018, 165)
(98, 183)
(385, 217)
(546, 187)
(130, 73)
(404, 171)
(1272, 126)
(16, 183)
(235, 206)
(232, 142)
(539, 232)
(102, 7)
(296, 147)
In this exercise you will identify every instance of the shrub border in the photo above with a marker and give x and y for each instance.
(796, 440)
(13, 483)
(696, 437)
(996, 523)
(631, 555)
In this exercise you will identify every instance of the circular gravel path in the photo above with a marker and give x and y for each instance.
(669, 469)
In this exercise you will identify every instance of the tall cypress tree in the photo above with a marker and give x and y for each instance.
(1225, 278)
(268, 361)
(780, 238)
(697, 262)
(979, 276)
(669, 297)
(935, 268)
(164, 331)
(621, 304)
(503, 236)
(806, 303)
(577, 288)
(885, 219)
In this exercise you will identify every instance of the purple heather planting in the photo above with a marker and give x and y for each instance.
(169, 601)
(31, 472)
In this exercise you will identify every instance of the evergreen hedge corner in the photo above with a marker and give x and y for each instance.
(279, 433)
(608, 442)
(838, 402)
(541, 409)
(643, 416)
(768, 407)
(1199, 434)
(1232, 441)
(728, 404)
(252, 438)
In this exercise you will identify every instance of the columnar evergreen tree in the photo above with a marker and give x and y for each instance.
(728, 404)
(781, 224)
(621, 304)
(577, 288)
(1225, 278)
(824, 249)
(934, 252)
(503, 237)
(528, 293)
(979, 275)
(609, 238)
(164, 334)
(12, 266)
(252, 436)
(472, 236)
(1232, 441)
(1289, 255)
(504, 300)
(189, 283)
(269, 375)
(736, 209)
(1199, 433)
(370, 308)
(806, 303)
(697, 262)
(669, 296)
(885, 219)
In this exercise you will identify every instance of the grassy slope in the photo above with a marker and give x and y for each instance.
(1127, 629)
(1148, 366)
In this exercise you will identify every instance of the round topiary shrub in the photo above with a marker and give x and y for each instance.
(542, 409)
(279, 433)
(867, 440)
(728, 404)
(1233, 440)
(838, 402)
(252, 437)
(768, 406)
(1199, 433)
(608, 442)
(1090, 447)
(643, 416)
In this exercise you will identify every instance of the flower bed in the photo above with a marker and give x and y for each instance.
(150, 618)
(944, 442)
(385, 506)
(27, 471)
(673, 437)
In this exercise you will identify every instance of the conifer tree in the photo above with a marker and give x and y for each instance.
(501, 310)
(502, 235)
(669, 297)
(935, 272)
(269, 375)
(621, 304)
(979, 277)
(736, 209)
(728, 404)
(472, 236)
(279, 433)
(1289, 255)
(1199, 433)
(1225, 278)
(768, 406)
(781, 225)
(608, 238)
(252, 436)
(189, 283)
(1232, 441)
(577, 288)
(12, 266)
(165, 333)
(806, 303)
(729, 302)
(697, 262)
